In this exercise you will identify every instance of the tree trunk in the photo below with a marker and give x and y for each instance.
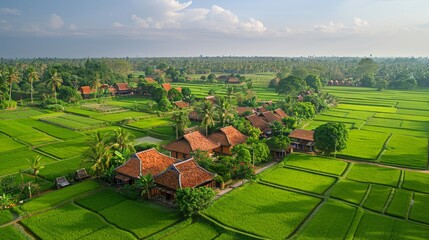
(31, 91)
(10, 93)
(55, 96)
(177, 132)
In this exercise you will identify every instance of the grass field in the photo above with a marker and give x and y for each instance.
(324, 225)
(61, 168)
(419, 210)
(8, 144)
(14, 161)
(406, 151)
(97, 202)
(349, 191)
(318, 164)
(197, 230)
(305, 181)
(377, 198)
(11, 233)
(416, 181)
(262, 210)
(374, 226)
(399, 205)
(374, 174)
(5, 216)
(67, 149)
(364, 145)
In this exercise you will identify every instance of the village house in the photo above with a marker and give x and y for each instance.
(123, 89)
(181, 104)
(182, 174)
(280, 113)
(142, 163)
(194, 116)
(241, 111)
(184, 146)
(149, 80)
(167, 87)
(210, 98)
(86, 91)
(227, 137)
(258, 122)
(302, 139)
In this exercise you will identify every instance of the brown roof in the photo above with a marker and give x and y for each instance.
(179, 89)
(242, 110)
(194, 116)
(184, 174)
(279, 112)
(228, 136)
(86, 90)
(122, 86)
(209, 98)
(191, 142)
(150, 80)
(166, 86)
(257, 122)
(181, 104)
(233, 80)
(261, 109)
(302, 134)
(145, 162)
(270, 117)
(112, 90)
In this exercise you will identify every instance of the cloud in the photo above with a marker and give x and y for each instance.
(117, 24)
(55, 21)
(330, 28)
(360, 22)
(9, 11)
(73, 27)
(171, 14)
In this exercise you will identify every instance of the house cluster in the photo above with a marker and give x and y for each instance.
(179, 170)
(262, 118)
(340, 83)
(88, 92)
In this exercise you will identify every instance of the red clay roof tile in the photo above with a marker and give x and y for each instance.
(302, 134)
(191, 142)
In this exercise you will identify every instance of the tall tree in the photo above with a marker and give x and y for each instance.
(330, 137)
(55, 82)
(96, 83)
(35, 165)
(208, 115)
(225, 113)
(99, 153)
(33, 76)
(314, 82)
(146, 183)
(12, 77)
(192, 201)
(290, 86)
(124, 140)
(181, 122)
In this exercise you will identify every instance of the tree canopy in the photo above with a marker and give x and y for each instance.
(330, 137)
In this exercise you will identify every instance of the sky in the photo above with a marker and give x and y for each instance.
(175, 28)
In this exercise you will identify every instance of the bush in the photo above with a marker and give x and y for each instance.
(55, 107)
(130, 192)
(193, 200)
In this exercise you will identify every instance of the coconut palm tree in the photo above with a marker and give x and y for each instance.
(208, 114)
(98, 154)
(35, 165)
(123, 139)
(32, 75)
(96, 83)
(225, 113)
(55, 82)
(11, 77)
(181, 122)
(146, 183)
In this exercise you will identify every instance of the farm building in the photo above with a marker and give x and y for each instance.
(244, 110)
(227, 137)
(182, 174)
(181, 104)
(142, 163)
(123, 88)
(280, 113)
(270, 117)
(150, 80)
(210, 98)
(190, 142)
(86, 92)
(258, 122)
(302, 139)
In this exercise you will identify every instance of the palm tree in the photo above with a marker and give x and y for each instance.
(207, 111)
(55, 83)
(98, 154)
(146, 183)
(96, 83)
(32, 75)
(123, 139)
(225, 113)
(35, 165)
(181, 122)
(11, 77)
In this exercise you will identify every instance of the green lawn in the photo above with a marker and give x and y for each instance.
(379, 227)
(349, 191)
(315, 163)
(374, 174)
(326, 225)
(262, 210)
(364, 145)
(305, 181)
(139, 217)
(53, 198)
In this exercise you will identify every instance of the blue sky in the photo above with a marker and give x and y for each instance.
(147, 28)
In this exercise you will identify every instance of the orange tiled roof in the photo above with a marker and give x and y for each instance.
(279, 112)
(166, 86)
(257, 122)
(270, 117)
(242, 110)
(86, 90)
(179, 89)
(145, 162)
(184, 174)
(191, 142)
(261, 109)
(181, 104)
(302, 134)
(228, 136)
(122, 86)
